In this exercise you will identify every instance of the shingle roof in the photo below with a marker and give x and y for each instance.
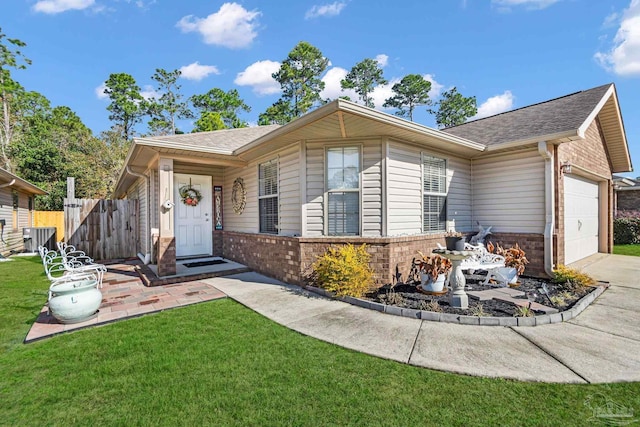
(554, 116)
(224, 140)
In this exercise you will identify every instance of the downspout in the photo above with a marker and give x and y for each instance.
(146, 258)
(549, 205)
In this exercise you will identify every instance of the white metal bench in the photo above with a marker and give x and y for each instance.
(484, 260)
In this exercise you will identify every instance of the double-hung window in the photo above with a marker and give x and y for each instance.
(343, 191)
(268, 196)
(434, 193)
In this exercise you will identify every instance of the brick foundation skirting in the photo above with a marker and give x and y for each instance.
(289, 259)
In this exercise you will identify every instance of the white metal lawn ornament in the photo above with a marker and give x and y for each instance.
(481, 236)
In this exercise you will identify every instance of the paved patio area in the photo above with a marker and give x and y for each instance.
(124, 295)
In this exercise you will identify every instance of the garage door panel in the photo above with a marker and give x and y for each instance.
(581, 218)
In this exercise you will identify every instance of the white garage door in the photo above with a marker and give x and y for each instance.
(581, 220)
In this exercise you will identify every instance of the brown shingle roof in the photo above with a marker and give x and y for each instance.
(546, 118)
(224, 140)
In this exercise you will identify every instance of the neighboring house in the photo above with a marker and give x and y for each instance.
(541, 176)
(16, 211)
(627, 194)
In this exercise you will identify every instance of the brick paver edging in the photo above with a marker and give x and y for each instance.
(433, 316)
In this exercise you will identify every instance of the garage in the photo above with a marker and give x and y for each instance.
(581, 218)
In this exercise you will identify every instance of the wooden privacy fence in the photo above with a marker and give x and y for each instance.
(103, 229)
(50, 219)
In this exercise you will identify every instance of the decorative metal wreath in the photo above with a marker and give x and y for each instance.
(189, 195)
(238, 196)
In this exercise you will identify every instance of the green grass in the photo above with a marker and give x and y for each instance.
(219, 363)
(633, 250)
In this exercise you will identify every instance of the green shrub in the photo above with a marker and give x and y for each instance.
(626, 231)
(571, 278)
(344, 271)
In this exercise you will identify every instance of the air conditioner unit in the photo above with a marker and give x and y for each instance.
(39, 236)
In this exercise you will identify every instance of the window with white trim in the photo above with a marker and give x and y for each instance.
(268, 196)
(434, 194)
(343, 191)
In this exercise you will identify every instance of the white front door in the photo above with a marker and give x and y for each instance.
(193, 224)
(581, 218)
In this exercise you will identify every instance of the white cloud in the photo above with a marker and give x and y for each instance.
(495, 105)
(382, 92)
(436, 88)
(197, 72)
(529, 4)
(332, 9)
(52, 7)
(232, 26)
(100, 91)
(382, 60)
(258, 76)
(148, 92)
(332, 88)
(624, 56)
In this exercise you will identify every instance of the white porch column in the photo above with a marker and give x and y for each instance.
(167, 242)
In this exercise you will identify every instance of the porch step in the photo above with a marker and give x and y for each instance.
(149, 278)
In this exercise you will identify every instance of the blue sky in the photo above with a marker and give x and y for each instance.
(508, 53)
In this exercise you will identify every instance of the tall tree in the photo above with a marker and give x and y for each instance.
(208, 122)
(410, 92)
(363, 78)
(10, 58)
(126, 105)
(454, 109)
(225, 104)
(278, 114)
(169, 106)
(299, 78)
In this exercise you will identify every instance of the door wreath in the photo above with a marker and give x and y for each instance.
(189, 195)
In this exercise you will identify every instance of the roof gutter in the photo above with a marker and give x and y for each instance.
(571, 134)
(8, 184)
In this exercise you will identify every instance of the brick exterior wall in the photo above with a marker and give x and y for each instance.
(591, 155)
(273, 256)
(166, 256)
(289, 259)
(628, 200)
(531, 244)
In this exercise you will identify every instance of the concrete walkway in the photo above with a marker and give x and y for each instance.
(601, 345)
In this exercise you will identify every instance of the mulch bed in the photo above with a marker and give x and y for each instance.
(406, 295)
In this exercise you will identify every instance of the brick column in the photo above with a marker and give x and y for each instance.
(167, 242)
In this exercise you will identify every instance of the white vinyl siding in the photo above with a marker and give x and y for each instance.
(315, 190)
(372, 189)
(508, 192)
(405, 189)
(288, 194)
(12, 236)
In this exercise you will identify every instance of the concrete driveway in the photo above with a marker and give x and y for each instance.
(601, 345)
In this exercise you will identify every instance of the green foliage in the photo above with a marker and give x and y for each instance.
(208, 121)
(344, 271)
(630, 250)
(11, 57)
(299, 78)
(523, 311)
(454, 109)
(127, 104)
(169, 106)
(225, 104)
(362, 78)
(410, 92)
(278, 114)
(626, 231)
(571, 278)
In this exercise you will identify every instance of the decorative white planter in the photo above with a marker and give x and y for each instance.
(430, 285)
(509, 274)
(74, 301)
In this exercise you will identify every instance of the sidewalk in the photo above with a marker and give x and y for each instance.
(601, 345)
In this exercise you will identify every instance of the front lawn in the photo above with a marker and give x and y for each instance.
(219, 363)
(633, 250)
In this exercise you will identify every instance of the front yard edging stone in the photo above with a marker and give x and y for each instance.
(432, 316)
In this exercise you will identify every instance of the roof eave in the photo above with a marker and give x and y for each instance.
(557, 137)
(22, 184)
